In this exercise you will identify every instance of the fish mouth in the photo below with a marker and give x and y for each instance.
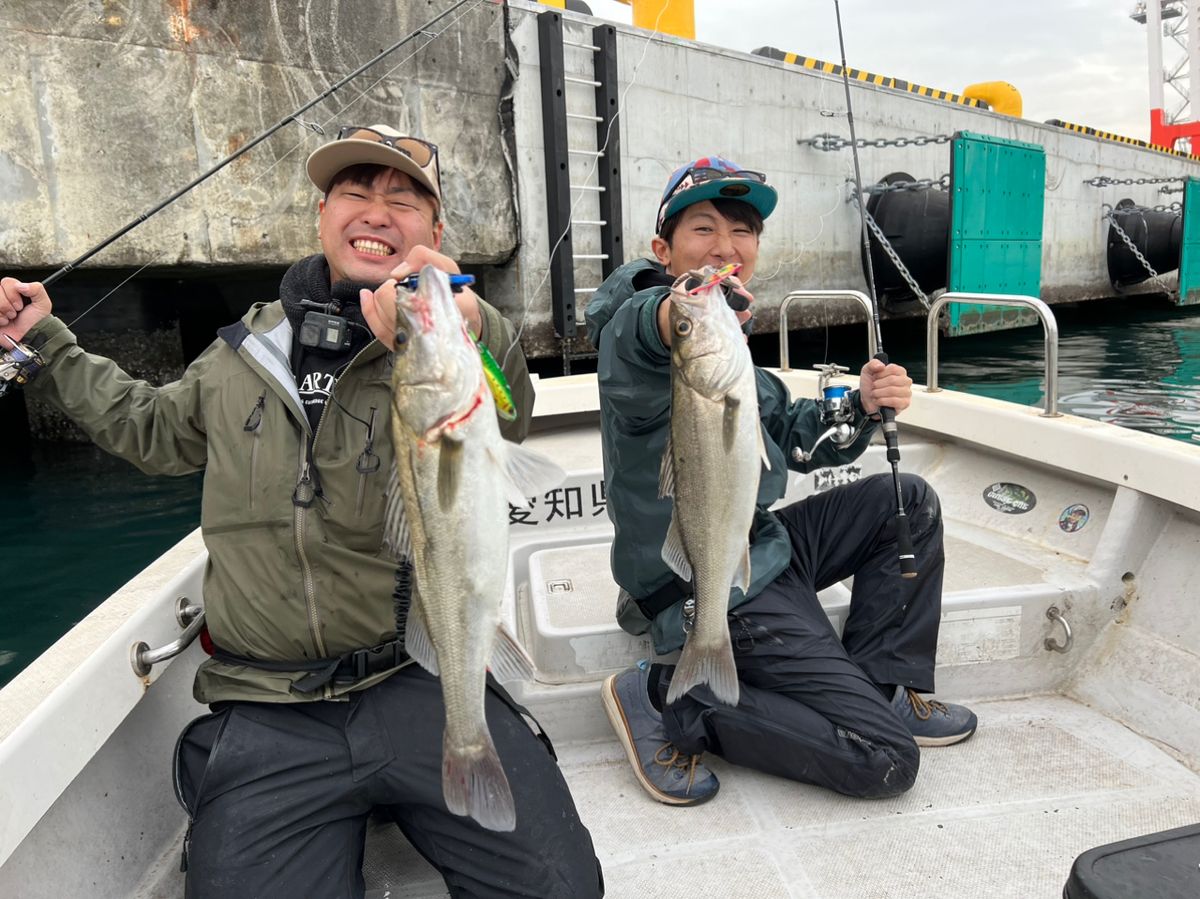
(373, 247)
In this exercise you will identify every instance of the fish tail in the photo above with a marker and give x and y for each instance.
(474, 783)
(706, 664)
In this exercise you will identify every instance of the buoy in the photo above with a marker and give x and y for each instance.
(917, 225)
(1158, 235)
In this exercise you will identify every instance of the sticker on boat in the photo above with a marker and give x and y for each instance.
(972, 636)
(828, 478)
(1073, 518)
(1011, 499)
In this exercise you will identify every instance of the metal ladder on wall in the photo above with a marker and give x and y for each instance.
(597, 250)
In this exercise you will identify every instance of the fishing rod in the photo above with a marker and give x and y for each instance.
(292, 117)
(908, 560)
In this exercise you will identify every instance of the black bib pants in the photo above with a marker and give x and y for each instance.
(810, 707)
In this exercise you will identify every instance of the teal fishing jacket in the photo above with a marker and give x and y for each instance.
(635, 410)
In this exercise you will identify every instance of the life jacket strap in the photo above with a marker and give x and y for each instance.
(348, 668)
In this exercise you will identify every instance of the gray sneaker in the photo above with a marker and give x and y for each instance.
(933, 723)
(667, 774)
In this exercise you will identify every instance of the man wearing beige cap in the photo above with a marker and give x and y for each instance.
(318, 720)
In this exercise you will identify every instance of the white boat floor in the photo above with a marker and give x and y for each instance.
(1002, 815)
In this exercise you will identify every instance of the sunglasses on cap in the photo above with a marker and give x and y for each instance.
(703, 174)
(422, 152)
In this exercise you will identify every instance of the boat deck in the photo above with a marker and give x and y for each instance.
(1002, 815)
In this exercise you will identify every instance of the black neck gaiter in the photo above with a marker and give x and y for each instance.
(316, 369)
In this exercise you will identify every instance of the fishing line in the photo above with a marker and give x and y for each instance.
(595, 163)
(837, 204)
(907, 558)
(424, 30)
(153, 259)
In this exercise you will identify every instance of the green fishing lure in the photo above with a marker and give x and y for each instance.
(501, 393)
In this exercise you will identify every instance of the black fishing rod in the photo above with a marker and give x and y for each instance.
(908, 559)
(292, 117)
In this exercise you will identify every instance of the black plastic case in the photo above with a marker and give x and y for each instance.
(1162, 865)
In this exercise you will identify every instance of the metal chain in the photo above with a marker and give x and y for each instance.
(1105, 181)
(829, 142)
(1110, 214)
(892, 255)
(942, 183)
(1170, 190)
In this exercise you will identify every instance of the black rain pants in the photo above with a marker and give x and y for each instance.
(279, 793)
(810, 708)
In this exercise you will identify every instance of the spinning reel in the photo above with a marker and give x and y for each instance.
(18, 364)
(837, 412)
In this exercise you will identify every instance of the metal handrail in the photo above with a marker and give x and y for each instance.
(190, 618)
(863, 299)
(1049, 327)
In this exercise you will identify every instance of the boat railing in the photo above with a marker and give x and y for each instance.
(190, 618)
(857, 295)
(1049, 328)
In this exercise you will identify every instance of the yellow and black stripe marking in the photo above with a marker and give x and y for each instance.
(1119, 138)
(831, 68)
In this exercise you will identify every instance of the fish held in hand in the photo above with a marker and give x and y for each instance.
(711, 466)
(447, 512)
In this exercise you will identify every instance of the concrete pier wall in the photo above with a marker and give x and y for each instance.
(107, 106)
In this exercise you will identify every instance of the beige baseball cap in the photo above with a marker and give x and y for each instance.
(378, 145)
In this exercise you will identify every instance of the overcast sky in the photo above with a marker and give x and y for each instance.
(1082, 61)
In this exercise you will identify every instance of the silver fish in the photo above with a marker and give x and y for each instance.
(447, 511)
(711, 467)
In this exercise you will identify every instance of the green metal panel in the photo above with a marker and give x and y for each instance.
(997, 197)
(1189, 254)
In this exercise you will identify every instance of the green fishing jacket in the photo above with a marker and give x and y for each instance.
(296, 569)
(635, 411)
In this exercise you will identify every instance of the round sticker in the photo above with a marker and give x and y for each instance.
(1011, 499)
(1073, 518)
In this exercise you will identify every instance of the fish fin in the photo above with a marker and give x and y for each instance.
(666, 471)
(673, 552)
(741, 577)
(729, 422)
(474, 783)
(397, 538)
(704, 664)
(510, 661)
(417, 642)
(528, 473)
(762, 449)
(450, 457)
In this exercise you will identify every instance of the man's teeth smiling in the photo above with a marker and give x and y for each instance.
(374, 247)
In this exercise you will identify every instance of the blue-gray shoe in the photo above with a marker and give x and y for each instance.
(933, 723)
(667, 774)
